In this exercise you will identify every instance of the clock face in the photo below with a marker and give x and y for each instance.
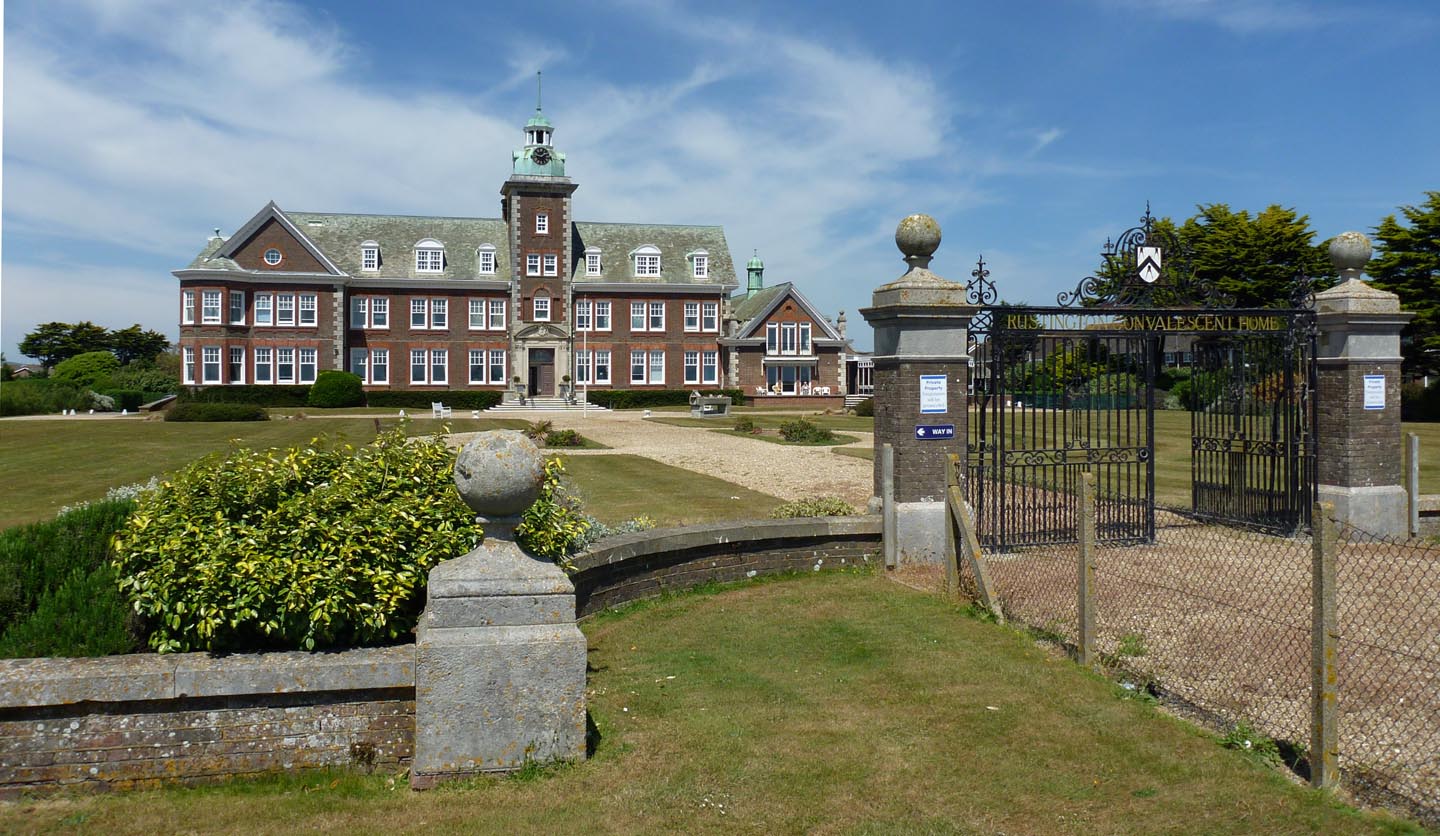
(541, 156)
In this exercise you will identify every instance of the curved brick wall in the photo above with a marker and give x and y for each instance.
(133, 721)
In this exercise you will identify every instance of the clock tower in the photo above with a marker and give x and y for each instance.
(536, 207)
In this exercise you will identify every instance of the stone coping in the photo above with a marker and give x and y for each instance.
(661, 541)
(28, 683)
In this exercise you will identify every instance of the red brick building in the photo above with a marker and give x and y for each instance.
(523, 301)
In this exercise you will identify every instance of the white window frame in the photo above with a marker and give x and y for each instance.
(210, 307)
(264, 369)
(692, 367)
(360, 363)
(429, 256)
(637, 315)
(540, 307)
(265, 309)
(582, 367)
(700, 264)
(419, 306)
(237, 296)
(380, 312)
(477, 313)
(281, 361)
(592, 262)
(602, 314)
(477, 362)
(710, 317)
(359, 312)
(656, 320)
(187, 307)
(235, 372)
(284, 310)
(187, 372)
(418, 359)
(552, 264)
(583, 321)
(275, 262)
(637, 361)
(803, 346)
(788, 337)
(710, 367)
(532, 264)
(485, 260)
(602, 364)
(497, 314)
(440, 313)
(657, 368)
(692, 317)
(772, 338)
(646, 262)
(497, 365)
(542, 223)
(439, 366)
(380, 365)
(370, 256)
(306, 358)
(309, 303)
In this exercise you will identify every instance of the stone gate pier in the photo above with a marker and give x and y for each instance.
(921, 324)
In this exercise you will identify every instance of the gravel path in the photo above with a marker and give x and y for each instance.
(779, 470)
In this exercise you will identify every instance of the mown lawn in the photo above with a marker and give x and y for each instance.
(834, 703)
(619, 487)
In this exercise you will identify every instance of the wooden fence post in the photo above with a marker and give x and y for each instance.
(1324, 766)
(1086, 604)
(1412, 480)
(887, 505)
(962, 520)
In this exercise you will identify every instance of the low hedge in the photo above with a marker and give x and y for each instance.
(258, 395)
(642, 398)
(59, 596)
(216, 412)
(419, 399)
(130, 399)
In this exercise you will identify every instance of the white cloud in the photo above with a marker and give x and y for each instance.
(112, 297)
(1242, 16)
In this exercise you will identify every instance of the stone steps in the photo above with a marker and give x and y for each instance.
(532, 405)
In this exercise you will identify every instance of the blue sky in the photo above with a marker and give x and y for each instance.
(1031, 129)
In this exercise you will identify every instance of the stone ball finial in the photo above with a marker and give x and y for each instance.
(1350, 252)
(918, 236)
(499, 473)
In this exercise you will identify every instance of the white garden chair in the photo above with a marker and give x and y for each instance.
(439, 410)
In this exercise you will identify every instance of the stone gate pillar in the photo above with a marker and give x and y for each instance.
(1358, 435)
(921, 322)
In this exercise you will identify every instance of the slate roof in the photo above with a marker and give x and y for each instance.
(675, 242)
(747, 309)
(339, 236)
(751, 313)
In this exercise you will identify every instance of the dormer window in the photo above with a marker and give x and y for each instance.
(429, 256)
(369, 255)
(485, 259)
(542, 223)
(592, 261)
(647, 261)
(700, 264)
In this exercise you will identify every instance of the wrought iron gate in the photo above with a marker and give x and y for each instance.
(1059, 390)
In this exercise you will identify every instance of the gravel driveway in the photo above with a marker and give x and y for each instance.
(779, 470)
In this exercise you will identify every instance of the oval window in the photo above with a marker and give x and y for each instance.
(272, 256)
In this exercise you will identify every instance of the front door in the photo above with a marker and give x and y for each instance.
(542, 371)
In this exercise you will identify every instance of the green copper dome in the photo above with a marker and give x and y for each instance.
(538, 121)
(755, 263)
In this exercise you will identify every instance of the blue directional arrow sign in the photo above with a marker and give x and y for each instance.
(930, 432)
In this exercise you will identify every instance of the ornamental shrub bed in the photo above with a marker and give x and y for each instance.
(335, 389)
(801, 431)
(453, 398)
(260, 395)
(321, 546)
(217, 412)
(814, 506)
(865, 408)
(41, 396)
(641, 398)
(59, 595)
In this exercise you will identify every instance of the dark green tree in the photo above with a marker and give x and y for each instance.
(52, 342)
(1408, 265)
(1252, 259)
(133, 343)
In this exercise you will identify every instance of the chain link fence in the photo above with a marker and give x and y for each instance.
(1219, 621)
